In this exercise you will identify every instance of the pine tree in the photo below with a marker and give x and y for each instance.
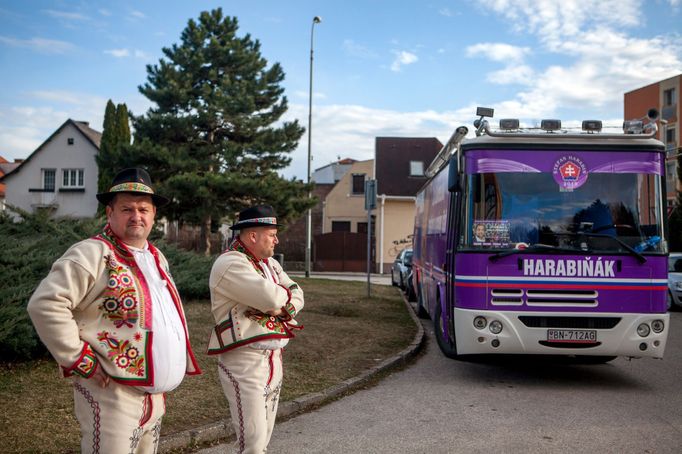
(122, 125)
(209, 142)
(106, 148)
(115, 136)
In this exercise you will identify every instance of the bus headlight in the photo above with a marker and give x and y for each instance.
(643, 330)
(657, 326)
(495, 327)
(480, 322)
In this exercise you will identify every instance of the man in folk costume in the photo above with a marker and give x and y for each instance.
(254, 303)
(110, 314)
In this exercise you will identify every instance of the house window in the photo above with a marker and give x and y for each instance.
(416, 168)
(358, 183)
(49, 179)
(340, 226)
(72, 178)
(669, 97)
(70, 140)
(670, 138)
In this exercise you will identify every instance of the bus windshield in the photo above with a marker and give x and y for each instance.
(521, 209)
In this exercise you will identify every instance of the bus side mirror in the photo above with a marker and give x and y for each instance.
(453, 175)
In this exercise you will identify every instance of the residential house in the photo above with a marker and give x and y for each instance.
(293, 238)
(5, 168)
(399, 166)
(663, 95)
(344, 206)
(60, 176)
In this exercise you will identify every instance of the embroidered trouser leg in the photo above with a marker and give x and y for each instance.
(117, 419)
(252, 380)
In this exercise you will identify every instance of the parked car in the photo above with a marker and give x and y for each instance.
(401, 268)
(675, 280)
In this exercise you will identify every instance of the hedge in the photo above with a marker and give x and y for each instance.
(30, 246)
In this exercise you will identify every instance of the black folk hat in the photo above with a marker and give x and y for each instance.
(132, 181)
(256, 216)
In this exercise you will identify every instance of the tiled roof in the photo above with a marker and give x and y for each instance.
(393, 157)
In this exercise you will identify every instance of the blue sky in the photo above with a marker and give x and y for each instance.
(381, 68)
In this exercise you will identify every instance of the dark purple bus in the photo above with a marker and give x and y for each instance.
(544, 241)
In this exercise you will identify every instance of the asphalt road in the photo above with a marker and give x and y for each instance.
(505, 406)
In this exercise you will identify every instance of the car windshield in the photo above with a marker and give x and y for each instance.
(614, 212)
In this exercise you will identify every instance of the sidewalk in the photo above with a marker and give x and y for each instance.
(223, 428)
(375, 278)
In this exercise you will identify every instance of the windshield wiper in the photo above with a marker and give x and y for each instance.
(625, 246)
(531, 248)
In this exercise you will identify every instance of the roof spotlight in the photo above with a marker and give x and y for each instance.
(633, 126)
(550, 125)
(509, 123)
(592, 125)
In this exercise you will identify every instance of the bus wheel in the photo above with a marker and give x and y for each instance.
(421, 311)
(448, 347)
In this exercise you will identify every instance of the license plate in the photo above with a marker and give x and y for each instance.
(572, 335)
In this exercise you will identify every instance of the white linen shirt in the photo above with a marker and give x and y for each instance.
(169, 348)
(272, 344)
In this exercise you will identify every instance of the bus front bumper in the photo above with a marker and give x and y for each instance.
(561, 333)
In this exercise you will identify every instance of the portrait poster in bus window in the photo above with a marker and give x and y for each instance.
(491, 233)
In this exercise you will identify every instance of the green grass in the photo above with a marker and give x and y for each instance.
(344, 334)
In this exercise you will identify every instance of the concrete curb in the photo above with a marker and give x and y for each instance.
(223, 428)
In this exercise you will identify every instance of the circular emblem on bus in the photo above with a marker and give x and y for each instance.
(570, 172)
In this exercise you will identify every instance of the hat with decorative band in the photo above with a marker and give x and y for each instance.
(132, 181)
(256, 216)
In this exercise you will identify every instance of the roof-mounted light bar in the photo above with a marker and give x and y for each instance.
(509, 124)
(592, 126)
(550, 125)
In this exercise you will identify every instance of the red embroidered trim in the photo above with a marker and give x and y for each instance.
(86, 364)
(147, 409)
(271, 367)
(240, 411)
(95, 412)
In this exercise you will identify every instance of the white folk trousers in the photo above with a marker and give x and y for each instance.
(252, 380)
(117, 419)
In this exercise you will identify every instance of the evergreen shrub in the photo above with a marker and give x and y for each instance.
(29, 247)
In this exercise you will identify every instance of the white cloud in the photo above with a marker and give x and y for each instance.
(42, 45)
(118, 53)
(304, 95)
(445, 12)
(65, 15)
(104, 12)
(58, 96)
(402, 58)
(600, 60)
(553, 21)
(500, 52)
(350, 131)
(513, 74)
(353, 49)
(137, 14)
(23, 128)
(124, 53)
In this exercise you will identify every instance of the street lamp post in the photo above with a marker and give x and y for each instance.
(309, 218)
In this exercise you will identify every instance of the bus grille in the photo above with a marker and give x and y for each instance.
(507, 296)
(533, 321)
(553, 297)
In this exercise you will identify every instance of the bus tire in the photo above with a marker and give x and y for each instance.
(421, 311)
(448, 347)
